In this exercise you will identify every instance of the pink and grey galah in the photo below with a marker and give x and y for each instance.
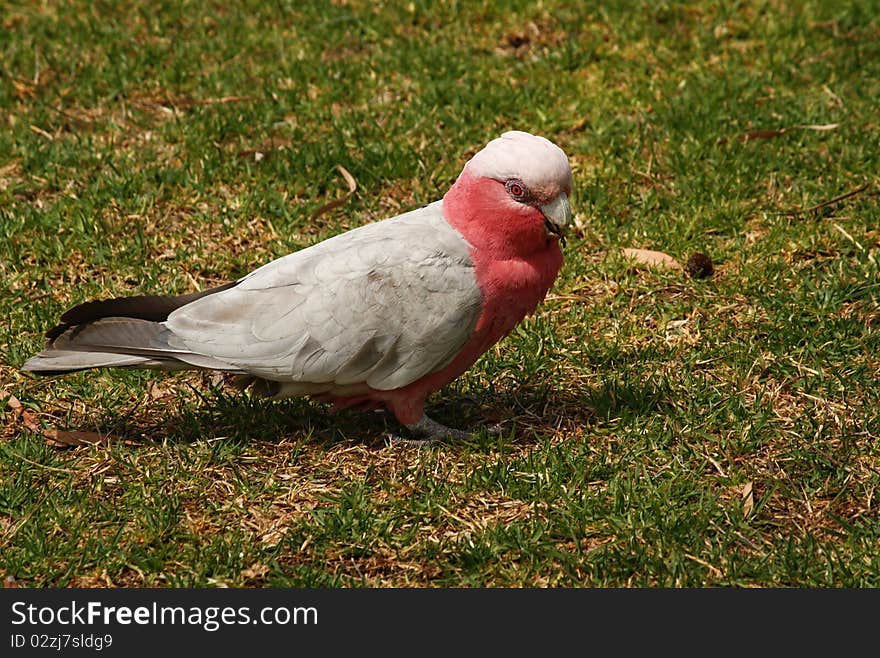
(379, 317)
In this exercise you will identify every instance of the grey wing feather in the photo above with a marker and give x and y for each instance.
(384, 305)
(117, 342)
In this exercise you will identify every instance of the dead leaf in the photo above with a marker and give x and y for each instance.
(717, 466)
(762, 134)
(18, 411)
(748, 499)
(273, 537)
(651, 258)
(8, 174)
(820, 127)
(9, 582)
(73, 438)
(518, 43)
(58, 438)
(352, 188)
(156, 392)
(11, 401)
(30, 422)
(580, 124)
(256, 570)
(22, 89)
(11, 168)
(41, 132)
(675, 328)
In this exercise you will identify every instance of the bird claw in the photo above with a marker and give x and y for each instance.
(494, 430)
(417, 443)
(428, 432)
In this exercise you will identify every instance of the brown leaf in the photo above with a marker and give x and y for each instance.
(18, 411)
(762, 134)
(156, 392)
(73, 438)
(651, 258)
(346, 174)
(9, 582)
(59, 438)
(11, 401)
(30, 422)
(352, 188)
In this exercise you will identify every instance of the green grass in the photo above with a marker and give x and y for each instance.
(150, 147)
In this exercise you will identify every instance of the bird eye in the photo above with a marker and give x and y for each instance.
(516, 189)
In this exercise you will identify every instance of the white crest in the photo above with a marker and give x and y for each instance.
(535, 160)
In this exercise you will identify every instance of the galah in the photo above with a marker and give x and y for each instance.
(378, 317)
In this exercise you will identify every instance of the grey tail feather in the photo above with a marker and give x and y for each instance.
(155, 308)
(60, 362)
(124, 333)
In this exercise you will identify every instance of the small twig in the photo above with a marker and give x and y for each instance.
(825, 204)
(222, 99)
(42, 133)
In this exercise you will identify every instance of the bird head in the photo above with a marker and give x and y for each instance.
(513, 194)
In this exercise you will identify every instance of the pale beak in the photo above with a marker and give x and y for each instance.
(557, 214)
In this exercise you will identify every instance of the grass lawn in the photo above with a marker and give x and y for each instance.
(660, 429)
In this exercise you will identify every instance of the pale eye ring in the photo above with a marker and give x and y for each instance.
(517, 189)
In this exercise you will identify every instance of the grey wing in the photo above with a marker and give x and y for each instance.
(382, 305)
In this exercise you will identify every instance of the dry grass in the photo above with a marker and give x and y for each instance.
(659, 429)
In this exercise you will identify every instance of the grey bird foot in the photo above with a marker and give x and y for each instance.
(427, 432)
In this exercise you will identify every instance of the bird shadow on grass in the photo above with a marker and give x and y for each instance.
(240, 418)
(523, 415)
(540, 411)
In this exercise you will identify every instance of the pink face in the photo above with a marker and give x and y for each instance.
(514, 194)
